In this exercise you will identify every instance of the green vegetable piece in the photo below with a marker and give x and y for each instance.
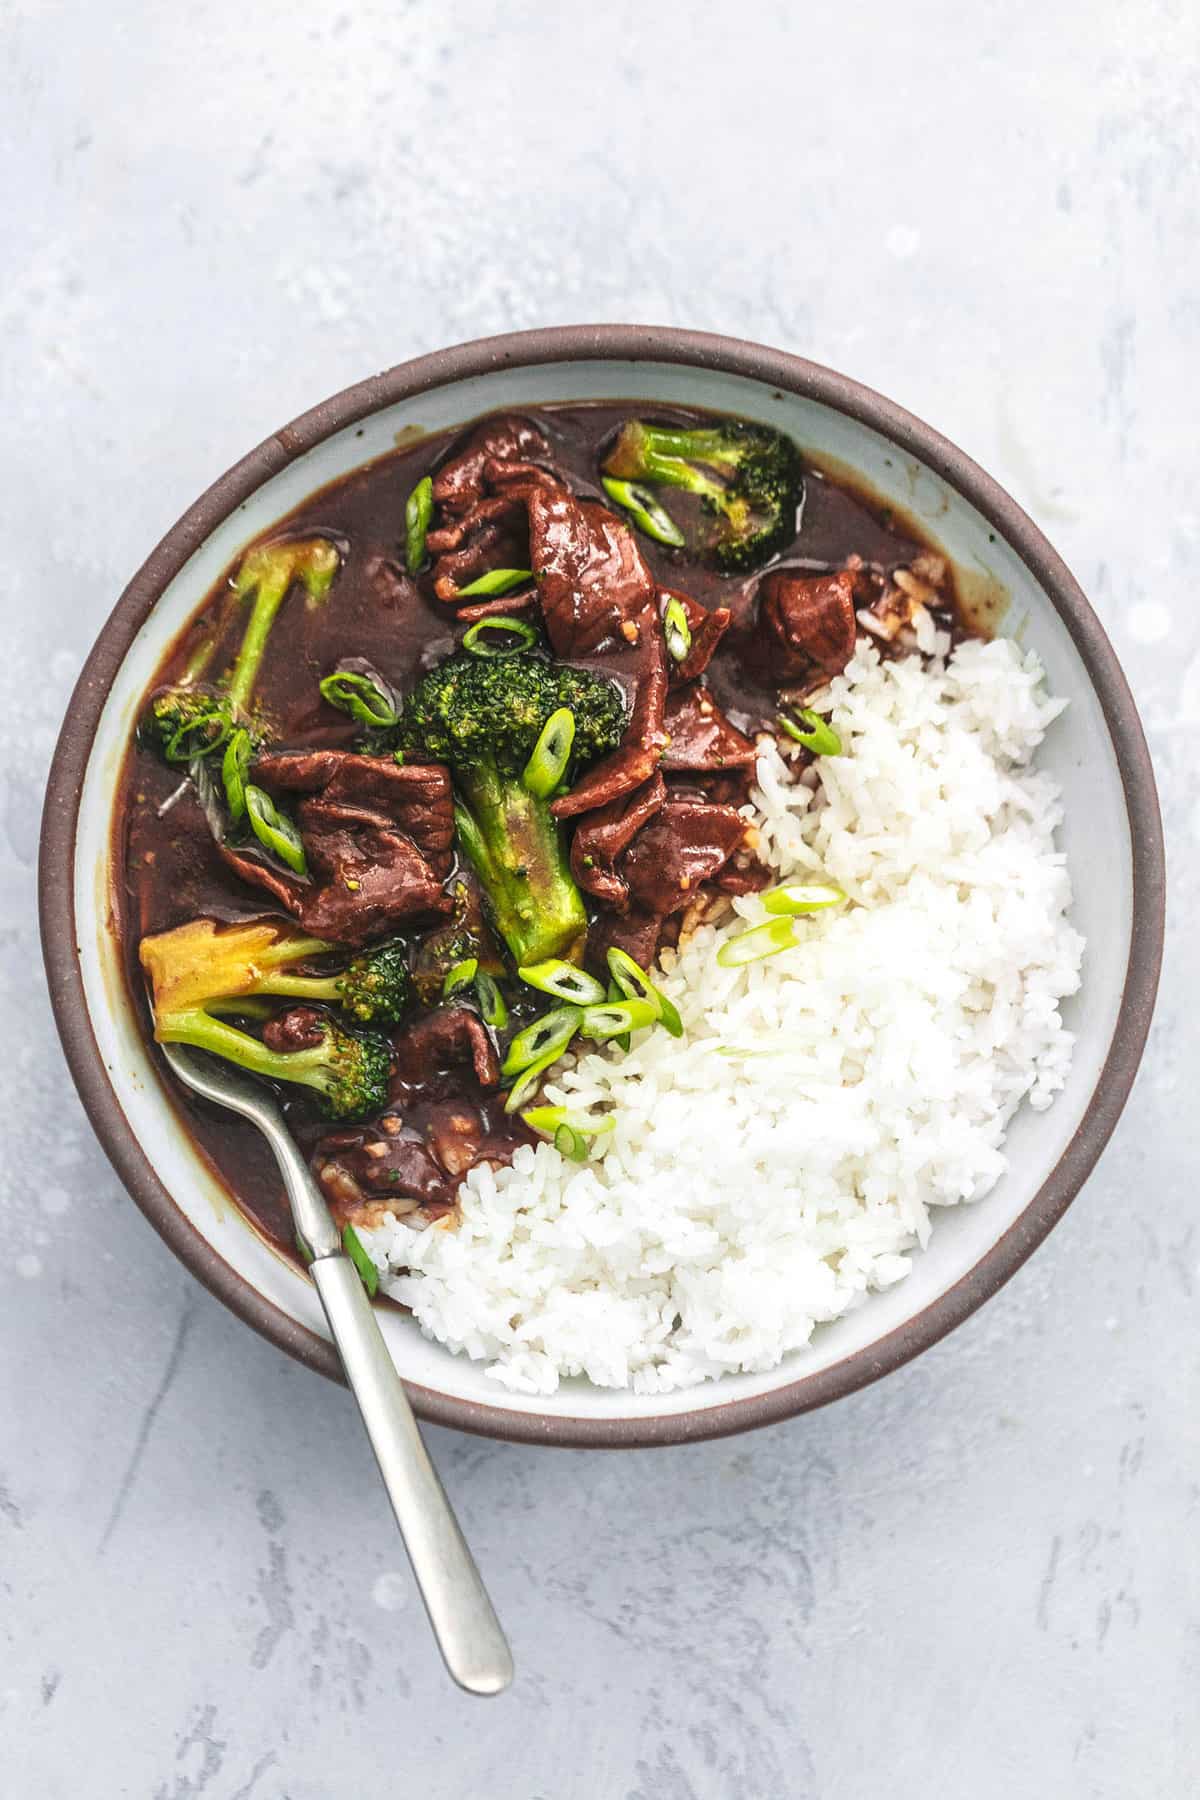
(634, 983)
(759, 942)
(482, 716)
(551, 754)
(418, 511)
(265, 577)
(546, 1038)
(614, 1018)
(362, 696)
(494, 583)
(515, 635)
(820, 737)
(492, 1009)
(747, 477)
(645, 511)
(188, 723)
(528, 1081)
(234, 767)
(362, 1260)
(571, 1143)
(274, 830)
(460, 976)
(677, 631)
(794, 897)
(551, 1120)
(563, 980)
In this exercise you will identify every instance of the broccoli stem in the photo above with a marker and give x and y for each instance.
(268, 573)
(203, 1032)
(517, 850)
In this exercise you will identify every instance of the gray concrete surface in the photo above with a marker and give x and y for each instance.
(975, 1580)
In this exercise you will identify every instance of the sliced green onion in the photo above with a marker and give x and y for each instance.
(274, 830)
(617, 993)
(492, 1009)
(528, 1081)
(496, 581)
(353, 1246)
(548, 763)
(546, 1037)
(361, 696)
(460, 976)
(820, 736)
(644, 510)
(418, 512)
(635, 984)
(200, 735)
(802, 897)
(550, 1119)
(761, 940)
(234, 767)
(520, 631)
(571, 1143)
(564, 981)
(613, 1018)
(677, 631)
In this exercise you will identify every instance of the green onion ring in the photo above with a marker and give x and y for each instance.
(547, 1036)
(548, 762)
(492, 1009)
(644, 510)
(359, 1256)
(274, 830)
(528, 1081)
(614, 1018)
(760, 941)
(235, 765)
(820, 736)
(564, 981)
(635, 984)
(495, 582)
(418, 511)
(475, 640)
(794, 897)
(676, 630)
(461, 975)
(361, 696)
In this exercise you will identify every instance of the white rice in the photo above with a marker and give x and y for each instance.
(779, 1161)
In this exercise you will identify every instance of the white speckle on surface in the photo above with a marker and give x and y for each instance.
(1149, 622)
(55, 1200)
(903, 242)
(392, 1591)
(29, 1266)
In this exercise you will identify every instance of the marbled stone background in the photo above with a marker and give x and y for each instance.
(975, 1580)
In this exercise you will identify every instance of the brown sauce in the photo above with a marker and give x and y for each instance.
(171, 870)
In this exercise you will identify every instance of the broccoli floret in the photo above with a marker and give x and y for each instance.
(202, 969)
(483, 715)
(191, 719)
(748, 478)
(203, 964)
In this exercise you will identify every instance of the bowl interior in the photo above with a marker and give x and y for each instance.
(1079, 753)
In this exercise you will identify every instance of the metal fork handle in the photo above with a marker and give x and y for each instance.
(464, 1623)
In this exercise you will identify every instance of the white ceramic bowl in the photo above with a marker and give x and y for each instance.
(1096, 751)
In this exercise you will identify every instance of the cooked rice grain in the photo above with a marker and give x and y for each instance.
(780, 1160)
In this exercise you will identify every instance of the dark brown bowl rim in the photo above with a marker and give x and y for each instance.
(631, 343)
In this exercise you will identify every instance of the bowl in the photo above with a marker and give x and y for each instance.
(1097, 752)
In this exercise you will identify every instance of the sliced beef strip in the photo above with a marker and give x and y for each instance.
(602, 835)
(707, 625)
(596, 588)
(686, 844)
(805, 628)
(443, 1039)
(702, 738)
(377, 836)
(508, 439)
